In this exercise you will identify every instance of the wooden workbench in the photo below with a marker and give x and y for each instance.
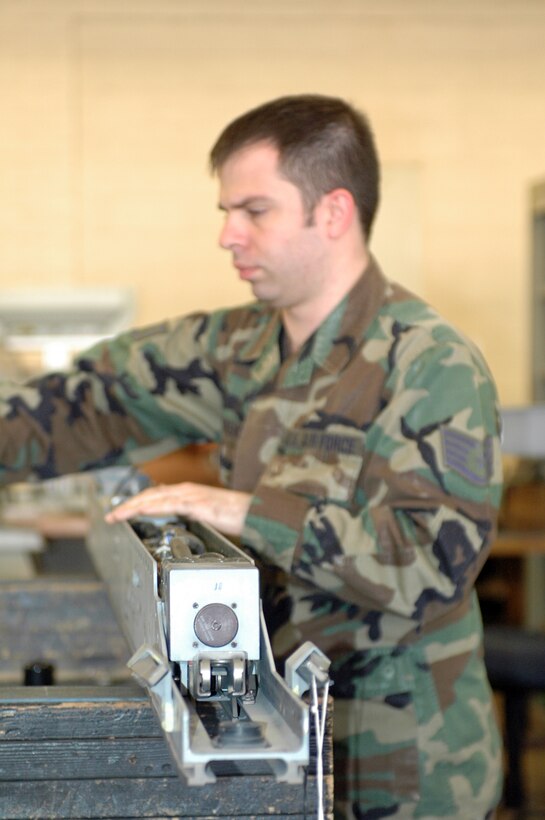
(518, 543)
(91, 746)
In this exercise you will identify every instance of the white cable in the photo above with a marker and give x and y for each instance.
(319, 729)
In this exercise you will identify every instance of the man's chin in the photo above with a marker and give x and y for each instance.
(263, 294)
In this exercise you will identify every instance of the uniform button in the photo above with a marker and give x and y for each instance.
(388, 671)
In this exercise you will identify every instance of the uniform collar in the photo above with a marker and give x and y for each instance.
(331, 346)
(354, 316)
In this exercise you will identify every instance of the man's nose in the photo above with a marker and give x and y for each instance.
(231, 233)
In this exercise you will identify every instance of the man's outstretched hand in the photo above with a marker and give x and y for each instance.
(223, 509)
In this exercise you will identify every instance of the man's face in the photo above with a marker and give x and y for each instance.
(266, 229)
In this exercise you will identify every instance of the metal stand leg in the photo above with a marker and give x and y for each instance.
(516, 720)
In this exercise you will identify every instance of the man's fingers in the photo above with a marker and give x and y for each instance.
(218, 507)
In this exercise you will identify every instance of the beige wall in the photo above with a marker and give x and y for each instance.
(108, 109)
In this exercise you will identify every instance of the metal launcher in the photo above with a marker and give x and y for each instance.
(188, 603)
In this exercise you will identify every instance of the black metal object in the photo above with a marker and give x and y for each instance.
(39, 673)
(515, 661)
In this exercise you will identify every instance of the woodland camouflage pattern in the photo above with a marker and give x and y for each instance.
(374, 462)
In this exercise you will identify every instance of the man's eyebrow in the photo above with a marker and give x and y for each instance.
(244, 203)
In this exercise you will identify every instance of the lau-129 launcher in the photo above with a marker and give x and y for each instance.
(187, 601)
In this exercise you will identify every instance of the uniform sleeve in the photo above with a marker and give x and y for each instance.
(156, 384)
(422, 511)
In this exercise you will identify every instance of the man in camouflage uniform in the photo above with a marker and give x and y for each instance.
(360, 456)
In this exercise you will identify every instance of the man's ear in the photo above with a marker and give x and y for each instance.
(339, 212)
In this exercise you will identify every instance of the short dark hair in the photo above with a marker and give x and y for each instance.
(323, 143)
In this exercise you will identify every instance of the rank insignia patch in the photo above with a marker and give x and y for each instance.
(468, 456)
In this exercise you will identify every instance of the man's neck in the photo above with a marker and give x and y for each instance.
(301, 321)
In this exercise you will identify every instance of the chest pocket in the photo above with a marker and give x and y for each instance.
(317, 464)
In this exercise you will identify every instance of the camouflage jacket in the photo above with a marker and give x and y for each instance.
(372, 454)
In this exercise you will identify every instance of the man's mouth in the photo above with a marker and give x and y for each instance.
(246, 272)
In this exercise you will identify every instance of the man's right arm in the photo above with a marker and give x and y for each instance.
(140, 388)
